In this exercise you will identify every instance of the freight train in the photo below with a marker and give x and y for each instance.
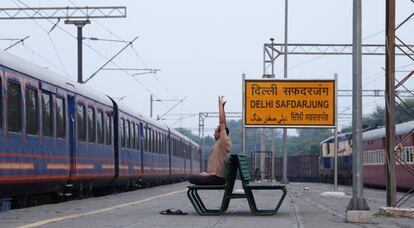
(300, 168)
(62, 137)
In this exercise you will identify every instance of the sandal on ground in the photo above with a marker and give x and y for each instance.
(172, 212)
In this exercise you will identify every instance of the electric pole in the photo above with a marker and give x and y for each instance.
(78, 16)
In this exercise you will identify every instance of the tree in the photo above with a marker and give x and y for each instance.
(307, 141)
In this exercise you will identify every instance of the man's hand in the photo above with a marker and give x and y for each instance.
(204, 174)
(222, 115)
(221, 101)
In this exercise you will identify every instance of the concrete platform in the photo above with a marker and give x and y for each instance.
(305, 206)
(397, 212)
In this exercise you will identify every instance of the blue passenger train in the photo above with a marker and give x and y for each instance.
(62, 137)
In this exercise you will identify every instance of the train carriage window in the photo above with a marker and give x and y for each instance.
(100, 126)
(182, 148)
(138, 137)
(403, 153)
(175, 148)
(122, 132)
(410, 155)
(160, 140)
(157, 143)
(166, 145)
(108, 129)
(146, 139)
(14, 109)
(154, 148)
(32, 112)
(91, 124)
(47, 114)
(81, 123)
(134, 136)
(60, 118)
(172, 147)
(179, 151)
(163, 144)
(365, 158)
(369, 158)
(150, 140)
(160, 143)
(128, 134)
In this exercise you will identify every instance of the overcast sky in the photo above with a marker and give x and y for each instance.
(203, 47)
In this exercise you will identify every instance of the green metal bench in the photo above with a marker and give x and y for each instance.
(195, 199)
(248, 187)
(235, 162)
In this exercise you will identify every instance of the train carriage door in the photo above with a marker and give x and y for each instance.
(72, 142)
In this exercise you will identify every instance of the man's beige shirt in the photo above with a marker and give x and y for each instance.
(218, 155)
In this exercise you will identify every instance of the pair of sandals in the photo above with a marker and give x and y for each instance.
(172, 212)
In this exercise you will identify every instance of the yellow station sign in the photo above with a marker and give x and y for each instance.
(289, 103)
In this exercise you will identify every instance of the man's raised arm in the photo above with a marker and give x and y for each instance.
(222, 114)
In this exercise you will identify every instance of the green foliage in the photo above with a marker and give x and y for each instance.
(307, 141)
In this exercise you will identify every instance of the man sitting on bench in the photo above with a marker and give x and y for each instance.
(216, 166)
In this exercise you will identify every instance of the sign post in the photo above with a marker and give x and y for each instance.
(289, 103)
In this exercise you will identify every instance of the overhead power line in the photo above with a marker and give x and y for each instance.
(102, 39)
(16, 43)
(110, 60)
(62, 12)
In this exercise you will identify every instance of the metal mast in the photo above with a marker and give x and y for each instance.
(285, 75)
(390, 101)
(357, 201)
